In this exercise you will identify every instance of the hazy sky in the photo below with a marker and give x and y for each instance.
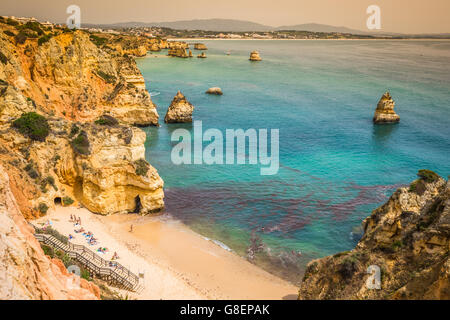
(406, 16)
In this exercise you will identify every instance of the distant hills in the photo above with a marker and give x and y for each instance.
(231, 25)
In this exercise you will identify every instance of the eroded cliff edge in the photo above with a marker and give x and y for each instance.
(408, 238)
(25, 271)
(72, 80)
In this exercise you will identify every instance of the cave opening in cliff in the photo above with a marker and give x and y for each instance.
(58, 201)
(138, 205)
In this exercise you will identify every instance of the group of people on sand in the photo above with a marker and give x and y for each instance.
(75, 219)
(91, 240)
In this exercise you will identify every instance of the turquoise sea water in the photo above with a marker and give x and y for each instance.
(335, 165)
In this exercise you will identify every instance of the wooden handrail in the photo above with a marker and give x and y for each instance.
(93, 261)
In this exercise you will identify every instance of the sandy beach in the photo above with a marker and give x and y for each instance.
(177, 262)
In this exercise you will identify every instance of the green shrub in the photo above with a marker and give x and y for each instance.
(3, 58)
(30, 26)
(141, 166)
(107, 77)
(397, 244)
(413, 186)
(12, 22)
(29, 169)
(106, 120)
(44, 39)
(74, 130)
(22, 36)
(33, 125)
(81, 144)
(55, 233)
(9, 33)
(98, 41)
(67, 201)
(428, 175)
(48, 251)
(85, 274)
(48, 181)
(43, 208)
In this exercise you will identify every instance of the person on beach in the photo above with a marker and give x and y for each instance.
(131, 228)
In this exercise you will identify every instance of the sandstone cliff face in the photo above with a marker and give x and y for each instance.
(25, 271)
(180, 110)
(385, 110)
(72, 77)
(101, 166)
(408, 238)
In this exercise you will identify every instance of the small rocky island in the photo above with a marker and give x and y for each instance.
(202, 55)
(180, 110)
(214, 90)
(254, 56)
(200, 46)
(385, 110)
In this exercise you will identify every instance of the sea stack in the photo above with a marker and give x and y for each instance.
(200, 46)
(190, 54)
(254, 56)
(214, 90)
(180, 110)
(202, 55)
(385, 111)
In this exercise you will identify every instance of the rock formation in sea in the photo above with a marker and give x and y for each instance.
(200, 46)
(214, 90)
(73, 76)
(385, 110)
(407, 238)
(254, 56)
(178, 49)
(180, 110)
(190, 54)
(25, 271)
(202, 55)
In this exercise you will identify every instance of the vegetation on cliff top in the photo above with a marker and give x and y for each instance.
(106, 120)
(81, 144)
(33, 126)
(428, 175)
(141, 167)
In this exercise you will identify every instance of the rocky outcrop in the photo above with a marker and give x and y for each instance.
(202, 55)
(190, 54)
(408, 238)
(75, 76)
(254, 56)
(25, 271)
(178, 49)
(214, 90)
(200, 46)
(99, 165)
(385, 110)
(180, 110)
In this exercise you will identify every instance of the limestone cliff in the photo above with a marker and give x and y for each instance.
(408, 238)
(385, 110)
(73, 75)
(180, 110)
(100, 165)
(25, 271)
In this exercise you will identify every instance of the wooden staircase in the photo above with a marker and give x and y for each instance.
(112, 272)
